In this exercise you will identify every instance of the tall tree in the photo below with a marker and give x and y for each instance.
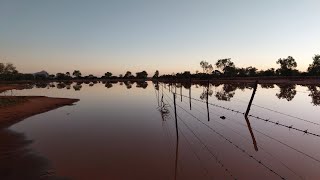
(8, 69)
(142, 75)
(206, 67)
(108, 74)
(314, 68)
(227, 66)
(287, 66)
(76, 73)
(128, 74)
(156, 74)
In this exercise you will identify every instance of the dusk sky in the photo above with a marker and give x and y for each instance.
(97, 36)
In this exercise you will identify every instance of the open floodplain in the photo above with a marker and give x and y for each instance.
(151, 130)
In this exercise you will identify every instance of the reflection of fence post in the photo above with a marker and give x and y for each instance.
(208, 100)
(181, 92)
(175, 88)
(252, 97)
(251, 133)
(177, 135)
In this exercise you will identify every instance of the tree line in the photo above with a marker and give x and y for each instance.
(226, 68)
(223, 68)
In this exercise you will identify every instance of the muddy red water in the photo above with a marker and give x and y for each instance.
(136, 131)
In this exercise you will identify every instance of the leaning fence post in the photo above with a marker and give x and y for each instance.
(177, 135)
(207, 102)
(190, 93)
(252, 97)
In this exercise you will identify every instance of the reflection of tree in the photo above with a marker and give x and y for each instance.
(77, 87)
(156, 85)
(287, 91)
(142, 84)
(108, 85)
(52, 85)
(267, 86)
(41, 85)
(226, 93)
(164, 110)
(128, 84)
(205, 94)
(61, 85)
(315, 95)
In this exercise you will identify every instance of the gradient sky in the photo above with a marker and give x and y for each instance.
(96, 36)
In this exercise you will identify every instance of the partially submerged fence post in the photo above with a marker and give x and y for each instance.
(252, 97)
(190, 93)
(177, 135)
(247, 113)
(207, 101)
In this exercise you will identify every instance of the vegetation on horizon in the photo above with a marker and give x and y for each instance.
(224, 68)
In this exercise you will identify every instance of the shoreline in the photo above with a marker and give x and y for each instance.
(29, 106)
(7, 87)
(300, 80)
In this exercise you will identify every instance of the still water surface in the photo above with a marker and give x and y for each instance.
(129, 131)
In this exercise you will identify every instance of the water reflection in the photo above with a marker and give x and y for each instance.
(17, 161)
(315, 94)
(225, 92)
(287, 91)
(178, 131)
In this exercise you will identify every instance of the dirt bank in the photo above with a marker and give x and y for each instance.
(6, 87)
(16, 108)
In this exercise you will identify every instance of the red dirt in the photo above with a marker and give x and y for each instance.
(10, 87)
(31, 105)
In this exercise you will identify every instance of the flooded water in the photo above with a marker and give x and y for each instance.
(162, 131)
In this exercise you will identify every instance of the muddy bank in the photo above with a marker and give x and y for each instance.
(6, 87)
(16, 108)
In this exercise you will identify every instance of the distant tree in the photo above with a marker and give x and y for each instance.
(120, 76)
(108, 74)
(142, 75)
(61, 76)
(206, 67)
(52, 76)
(227, 66)
(314, 68)
(91, 77)
(76, 73)
(268, 72)
(287, 66)
(68, 74)
(8, 69)
(40, 77)
(128, 75)
(156, 75)
(247, 72)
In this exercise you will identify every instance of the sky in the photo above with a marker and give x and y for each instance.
(97, 36)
